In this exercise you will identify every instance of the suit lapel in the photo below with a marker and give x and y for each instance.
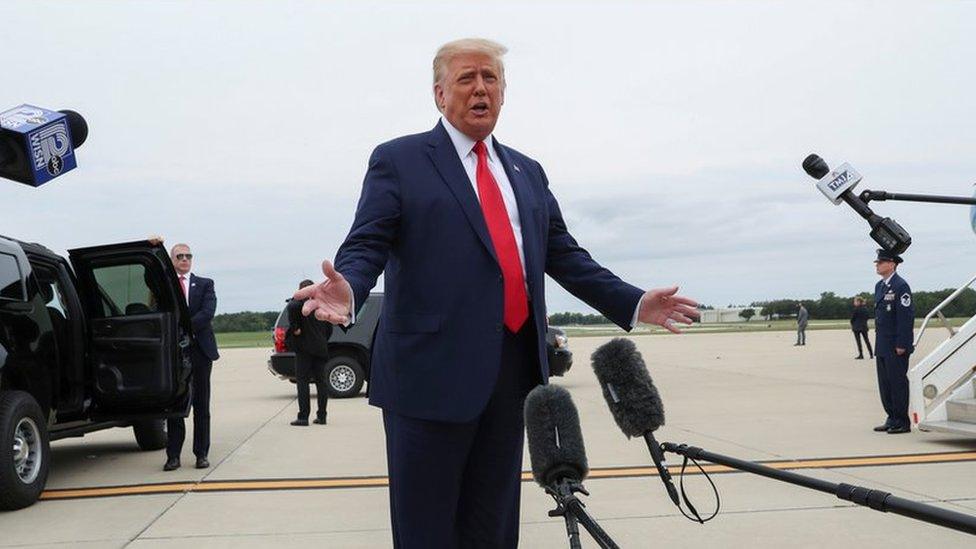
(190, 290)
(522, 198)
(445, 158)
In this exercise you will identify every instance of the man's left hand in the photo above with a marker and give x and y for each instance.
(664, 307)
(899, 351)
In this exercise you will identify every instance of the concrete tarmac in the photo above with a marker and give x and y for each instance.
(752, 395)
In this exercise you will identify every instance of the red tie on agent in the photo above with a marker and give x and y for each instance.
(503, 238)
(183, 285)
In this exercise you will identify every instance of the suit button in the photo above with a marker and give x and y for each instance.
(500, 278)
(498, 327)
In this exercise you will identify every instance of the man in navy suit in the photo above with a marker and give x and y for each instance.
(201, 303)
(465, 230)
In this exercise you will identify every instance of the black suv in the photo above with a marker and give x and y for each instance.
(86, 344)
(349, 351)
(348, 365)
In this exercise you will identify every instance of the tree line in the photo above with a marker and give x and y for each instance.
(828, 306)
(832, 306)
(247, 321)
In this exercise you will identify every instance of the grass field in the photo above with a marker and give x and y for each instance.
(263, 339)
(244, 339)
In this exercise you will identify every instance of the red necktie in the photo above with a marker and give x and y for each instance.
(183, 285)
(503, 238)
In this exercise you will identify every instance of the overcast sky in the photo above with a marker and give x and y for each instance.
(672, 132)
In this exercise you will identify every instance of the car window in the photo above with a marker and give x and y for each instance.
(11, 286)
(124, 290)
(51, 292)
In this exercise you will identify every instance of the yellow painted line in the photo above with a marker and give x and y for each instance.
(376, 482)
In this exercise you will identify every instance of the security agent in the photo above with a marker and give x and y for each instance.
(894, 323)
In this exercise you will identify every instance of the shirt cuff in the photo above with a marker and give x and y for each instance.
(633, 322)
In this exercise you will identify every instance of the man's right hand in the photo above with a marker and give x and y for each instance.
(329, 299)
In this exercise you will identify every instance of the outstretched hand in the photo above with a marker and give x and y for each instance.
(663, 307)
(330, 299)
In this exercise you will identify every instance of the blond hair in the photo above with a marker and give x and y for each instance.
(468, 45)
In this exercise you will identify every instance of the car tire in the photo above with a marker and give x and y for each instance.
(23, 471)
(344, 377)
(150, 434)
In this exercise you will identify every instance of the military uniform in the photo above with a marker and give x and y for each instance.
(894, 326)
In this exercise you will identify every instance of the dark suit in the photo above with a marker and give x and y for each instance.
(311, 348)
(449, 376)
(203, 351)
(859, 325)
(894, 323)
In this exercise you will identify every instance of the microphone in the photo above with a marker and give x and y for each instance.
(838, 186)
(37, 145)
(558, 459)
(632, 398)
(555, 440)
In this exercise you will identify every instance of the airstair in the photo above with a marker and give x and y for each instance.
(942, 386)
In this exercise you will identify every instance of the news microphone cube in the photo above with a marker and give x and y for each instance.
(37, 143)
(839, 181)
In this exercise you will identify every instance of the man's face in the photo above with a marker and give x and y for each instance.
(182, 259)
(471, 94)
(884, 268)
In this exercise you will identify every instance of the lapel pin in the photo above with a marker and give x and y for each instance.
(516, 168)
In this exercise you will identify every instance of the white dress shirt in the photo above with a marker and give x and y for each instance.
(187, 295)
(469, 159)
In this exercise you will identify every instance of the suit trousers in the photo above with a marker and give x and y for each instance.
(456, 485)
(200, 395)
(309, 367)
(858, 335)
(893, 385)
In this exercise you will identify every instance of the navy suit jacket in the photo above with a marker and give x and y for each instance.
(439, 340)
(894, 317)
(203, 305)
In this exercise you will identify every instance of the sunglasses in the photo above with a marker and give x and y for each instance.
(181, 257)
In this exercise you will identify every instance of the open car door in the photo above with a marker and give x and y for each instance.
(138, 330)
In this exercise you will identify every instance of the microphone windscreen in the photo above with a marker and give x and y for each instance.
(627, 387)
(815, 166)
(77, 126)
(555, 440)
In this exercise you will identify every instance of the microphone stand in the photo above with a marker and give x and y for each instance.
(875, 499)
(868, 195)
(572, 510)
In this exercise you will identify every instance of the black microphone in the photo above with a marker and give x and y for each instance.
(37, 145)
(838, 186)
(558, 459)
(632, 398)
(555, 440)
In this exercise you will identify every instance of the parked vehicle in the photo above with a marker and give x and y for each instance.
(560, 357)
(349, 351)
(348, 368)
(87, 344)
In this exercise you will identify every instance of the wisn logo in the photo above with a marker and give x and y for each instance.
(49, 146)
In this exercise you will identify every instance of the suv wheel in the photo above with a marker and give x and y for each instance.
(344, 376)
(24, 450)
(150, 434)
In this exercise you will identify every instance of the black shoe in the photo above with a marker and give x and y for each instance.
(172, 464)
(899, 430)
(859, 357)
(203, 462)
(882, 428)
(320, 420)
(300, 423)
